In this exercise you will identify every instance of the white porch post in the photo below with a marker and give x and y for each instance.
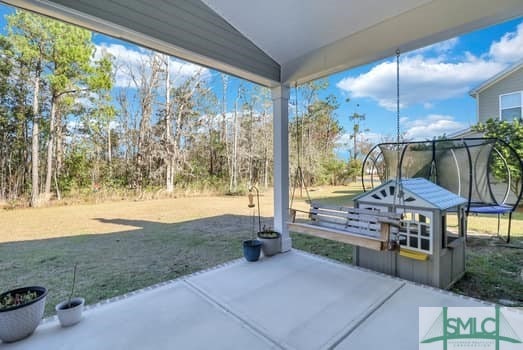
(280, 105)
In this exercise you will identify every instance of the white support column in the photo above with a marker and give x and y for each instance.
(280, 105)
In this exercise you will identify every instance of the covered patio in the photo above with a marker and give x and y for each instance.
(291, 301)
(279, 43)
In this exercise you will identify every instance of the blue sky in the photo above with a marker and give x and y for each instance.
(434, 81)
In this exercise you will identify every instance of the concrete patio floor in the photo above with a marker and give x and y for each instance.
(291, 301)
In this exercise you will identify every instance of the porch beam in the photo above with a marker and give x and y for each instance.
(280, 103)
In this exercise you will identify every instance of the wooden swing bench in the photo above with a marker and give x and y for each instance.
(361, 227)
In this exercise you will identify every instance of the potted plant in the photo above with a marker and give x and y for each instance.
(271, 241)
(252, 247)
(20, 312)
(70, 311)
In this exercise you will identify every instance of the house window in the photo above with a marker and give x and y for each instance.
(510, 106)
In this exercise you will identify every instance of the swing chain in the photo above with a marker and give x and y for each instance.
(398, 191)
(398, 195)
(298, 176)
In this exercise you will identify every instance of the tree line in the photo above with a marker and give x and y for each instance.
(66, 128)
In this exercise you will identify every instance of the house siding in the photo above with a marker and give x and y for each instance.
(488, 100)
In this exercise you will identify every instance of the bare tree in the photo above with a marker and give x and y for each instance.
(35, 135)
(146, 80)
(169, 161)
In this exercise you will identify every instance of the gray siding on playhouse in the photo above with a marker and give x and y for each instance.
(382, 261)
(443, 268)
(446, 263)
(488, 101)
(189, 24)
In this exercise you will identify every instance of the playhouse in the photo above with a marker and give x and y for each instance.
(428, 253)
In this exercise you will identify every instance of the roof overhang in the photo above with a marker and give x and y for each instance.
(433, 22)
(233, 39)
(185, 29)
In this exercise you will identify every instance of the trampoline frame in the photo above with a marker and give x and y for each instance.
(471, 207)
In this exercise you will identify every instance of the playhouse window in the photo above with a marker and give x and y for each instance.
(416, 232)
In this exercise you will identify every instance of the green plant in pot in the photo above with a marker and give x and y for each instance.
(21, 310)
(271, 241)
(70, 311)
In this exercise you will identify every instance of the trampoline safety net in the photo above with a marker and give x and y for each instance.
(485, 171)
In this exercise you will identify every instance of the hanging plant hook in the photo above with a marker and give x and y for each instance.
(251, 203)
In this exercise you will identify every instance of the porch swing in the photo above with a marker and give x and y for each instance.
(366, 228)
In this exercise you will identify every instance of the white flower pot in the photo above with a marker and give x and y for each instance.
(19, 322)
(69, 316)
(270, 246)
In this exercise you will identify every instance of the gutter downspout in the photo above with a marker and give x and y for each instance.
(476, 96)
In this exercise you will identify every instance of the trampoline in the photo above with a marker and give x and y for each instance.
(486, 171)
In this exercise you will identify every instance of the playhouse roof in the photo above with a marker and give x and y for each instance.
(418, 192)
(432, 193)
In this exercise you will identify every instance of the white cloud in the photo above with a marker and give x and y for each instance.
(113, 124)
(509, 48)
(428, 74)
(441, 47)
(422, 80)
(419, 129)
(431, 126)
(73, 124)
(84, 101)
(129, 61)
(345, 140)
(372, 137)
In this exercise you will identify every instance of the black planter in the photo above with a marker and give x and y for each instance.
(40, 291)
(252, 249)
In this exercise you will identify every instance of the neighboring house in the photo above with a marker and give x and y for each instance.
(500, 97)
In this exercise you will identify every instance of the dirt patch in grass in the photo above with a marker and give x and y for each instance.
(330, 249)
(494, 271)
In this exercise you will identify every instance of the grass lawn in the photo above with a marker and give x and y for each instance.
(126, 245)
(119, 246)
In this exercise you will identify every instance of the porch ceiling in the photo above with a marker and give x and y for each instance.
(301, 26)
(279, 41)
